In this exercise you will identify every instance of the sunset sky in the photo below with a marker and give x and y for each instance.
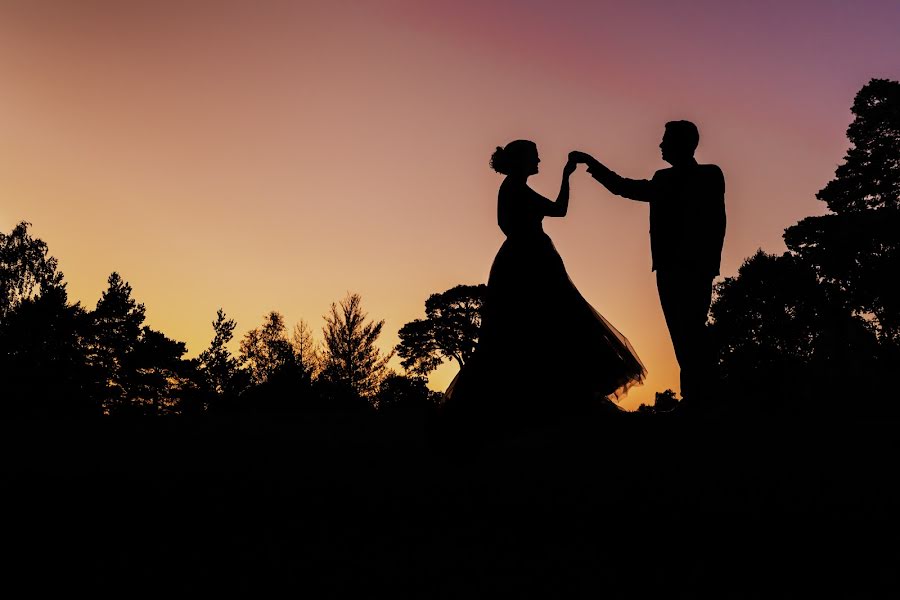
(268, 155)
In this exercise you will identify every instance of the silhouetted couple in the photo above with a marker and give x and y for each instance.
(543, 350)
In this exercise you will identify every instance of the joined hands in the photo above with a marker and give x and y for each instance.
(577, 156)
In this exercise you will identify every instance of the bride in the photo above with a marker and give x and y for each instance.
(543, 351)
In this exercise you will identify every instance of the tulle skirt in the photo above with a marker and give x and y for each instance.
(543, 350)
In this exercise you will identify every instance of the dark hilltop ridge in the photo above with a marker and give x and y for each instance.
(338, 503)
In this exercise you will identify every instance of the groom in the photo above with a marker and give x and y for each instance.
(687, 230)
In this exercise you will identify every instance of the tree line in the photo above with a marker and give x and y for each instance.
(59, 359)
(815, 329)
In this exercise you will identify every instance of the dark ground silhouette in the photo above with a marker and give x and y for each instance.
(330, 504)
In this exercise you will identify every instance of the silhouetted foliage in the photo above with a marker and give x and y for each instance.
(406, 394)
(217, 367)
(351, 358)
(663, 402)
(286, 390)
(141, 370)
(857, 246)
(161, 381)
(116, 323)
(44, 366)
(26, 268)
(869, 179)
(266, 350)
(786, 339)
(449, 330)
(335, 395)
(279, 379)
(306, 350)
(818, 329)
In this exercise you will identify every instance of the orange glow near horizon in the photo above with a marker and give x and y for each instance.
(277, 155)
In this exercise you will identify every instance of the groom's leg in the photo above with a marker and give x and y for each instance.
(701, 359)
(685, 300)
(671, 299)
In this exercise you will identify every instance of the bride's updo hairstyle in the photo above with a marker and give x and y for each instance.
(510, 159)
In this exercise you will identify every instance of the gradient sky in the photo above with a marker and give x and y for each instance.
(266, 155)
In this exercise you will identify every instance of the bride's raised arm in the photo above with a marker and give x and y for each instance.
(560, 207)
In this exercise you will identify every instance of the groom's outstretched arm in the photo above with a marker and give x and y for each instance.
(635, 189)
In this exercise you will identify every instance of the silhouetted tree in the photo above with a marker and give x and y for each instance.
(116, 322)
(217, 367)
(279, 382)
(350, 356)
(44, 368)
(306, 350)
(663, 402)
(405, 394)
(267, 350)
(142, 370)
(449, 330)
(26, 268)
(159, 379)
(857, 246)
(786, 338)
(43, 365)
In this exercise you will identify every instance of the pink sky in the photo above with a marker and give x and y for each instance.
(262, 156)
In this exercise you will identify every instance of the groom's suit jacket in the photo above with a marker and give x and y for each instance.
(687, 214)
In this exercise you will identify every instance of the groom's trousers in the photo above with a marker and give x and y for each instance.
(685, 297)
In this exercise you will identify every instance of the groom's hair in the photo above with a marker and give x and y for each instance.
(685, 132)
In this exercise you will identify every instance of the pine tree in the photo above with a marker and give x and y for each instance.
(267, 350)
(306, 350)
(351, 357)
(217, 366)
(142, 370)
(117, 320)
